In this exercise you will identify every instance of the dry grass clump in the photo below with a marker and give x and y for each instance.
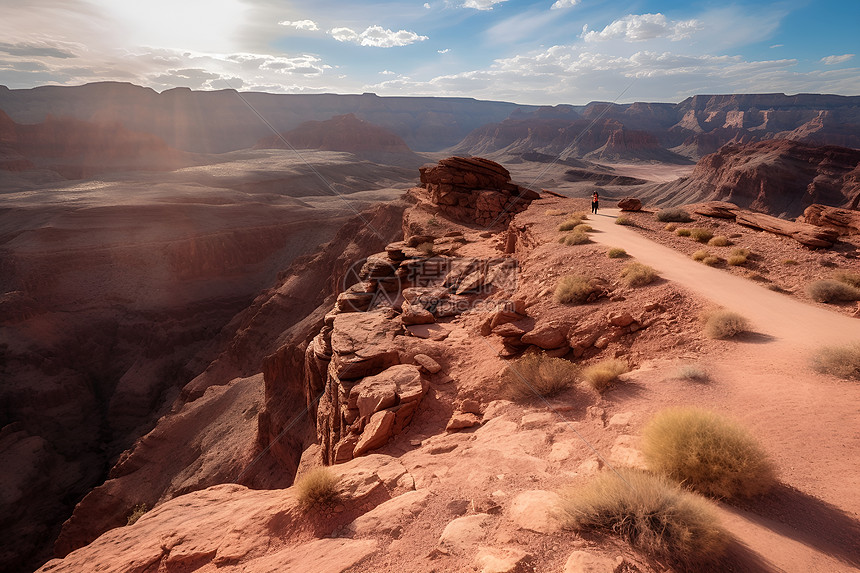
(670, 227)
(720, 241)
(582, 228)
(828, 290)
(616, 253)
(712, 261)
(736, 260)
(136, 513)
(569, 225)
(624, 220)
(673, 215)
(790, 263)
(317, 487)
(575, 238)
(852, 279)
(682, 232)
(701, 235)
(700, 255)
(839, 361)
(637, 274)
(652, 514)
(537, 375)
(723, 324)
(692, 372)
(601, 375)
(707, 453)
(574, 289)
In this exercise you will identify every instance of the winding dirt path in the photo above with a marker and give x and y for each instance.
(809, 423)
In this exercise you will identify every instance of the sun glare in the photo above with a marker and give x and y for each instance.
(186, 24)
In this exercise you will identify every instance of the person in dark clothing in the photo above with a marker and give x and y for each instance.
(594, 200)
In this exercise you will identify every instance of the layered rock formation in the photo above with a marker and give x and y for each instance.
(475, 190)
(779, 177)
(843, 221)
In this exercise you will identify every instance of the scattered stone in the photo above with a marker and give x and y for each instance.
(462, 420)
(387, 517)
(465, 532)
(585, 562)
(537, 420)
(620, 420)
(625, 452)
(547, 336)
(470, 406)
(427, 363)
(537, 510)
(621, 319)
(415, 314)
(503, 560)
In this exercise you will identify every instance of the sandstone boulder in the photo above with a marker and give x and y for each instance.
(537, 511)
(843, 221)
(630, 204)
(547, 336)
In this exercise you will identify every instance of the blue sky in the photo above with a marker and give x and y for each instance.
(525, 51)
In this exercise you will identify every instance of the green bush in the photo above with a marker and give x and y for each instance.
(673, 215)
(707, 453)
(136, 513)
(636, 274)
(317, 487)
(616, 253)
(828, 290)
(701, 235)
(719, 241)
(535, 375)
(840, 361)
(574, 289)
(601, 375)
(651, 514)
(723, 324)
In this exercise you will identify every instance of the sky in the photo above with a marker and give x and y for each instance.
(543, 52)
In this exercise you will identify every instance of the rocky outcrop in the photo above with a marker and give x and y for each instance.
(475, 190)
(630, 204)
(843, 221)
(806, 234)
(779, 177)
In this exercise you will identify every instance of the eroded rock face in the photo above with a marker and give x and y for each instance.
(475, 190)
(843, 221)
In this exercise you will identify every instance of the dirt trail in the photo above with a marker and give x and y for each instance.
(775, 316)
(807, 422)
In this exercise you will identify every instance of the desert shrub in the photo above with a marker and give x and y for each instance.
(673, 215)
(636, 274)
(573, 289)
(317, 487)
(582, 228)
(649, 512)
(581, 215)
(555, 212)
(701, 235)
(670, 227)
(692, 372)
(840, 361)
(136, 513)
(852, 279)
(426, 248)
(616, 253)
(599, 376)
(828, 290)
(722, 324)
(622, 220)
(719, 241)
(575, 238)
(712, 261)
(537, 375)
(682, 232)
(736, 260)
(741, 252)
(790, 263)
(700, 255)
(569, 225)
(707, 453)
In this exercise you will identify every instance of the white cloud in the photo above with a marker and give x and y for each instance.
(776, 46)
(560, 4)
(445, 51)
(427, 5)
(482, 4)
(833, 60)
(387, 73)
(377, 36)
(308, 25)
(641, 27)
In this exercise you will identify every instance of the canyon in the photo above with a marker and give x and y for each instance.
(174, 289)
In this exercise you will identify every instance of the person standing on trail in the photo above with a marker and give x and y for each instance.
(594, 200)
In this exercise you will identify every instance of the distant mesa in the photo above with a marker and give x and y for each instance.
(779, 177)
(344, 133)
